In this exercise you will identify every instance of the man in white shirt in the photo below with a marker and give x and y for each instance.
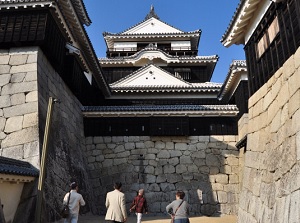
(75, 202)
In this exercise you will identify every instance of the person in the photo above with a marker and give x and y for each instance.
(76, 200)
(139, 205)
(115, 204)
(179, 208)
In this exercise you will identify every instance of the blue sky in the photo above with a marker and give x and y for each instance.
(212, 17)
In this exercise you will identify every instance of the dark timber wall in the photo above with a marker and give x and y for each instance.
(260, 69)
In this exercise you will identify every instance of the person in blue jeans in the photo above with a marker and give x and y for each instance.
(76, 200)
(179, 209)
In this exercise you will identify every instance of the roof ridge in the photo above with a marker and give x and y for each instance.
(151, 14)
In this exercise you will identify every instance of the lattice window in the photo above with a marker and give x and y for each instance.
(268, 37)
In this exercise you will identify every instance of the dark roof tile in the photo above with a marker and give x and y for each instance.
(17, 167)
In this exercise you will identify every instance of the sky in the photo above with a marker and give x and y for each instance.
(212, 17)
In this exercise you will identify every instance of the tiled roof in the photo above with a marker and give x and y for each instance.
(239, 21)
(81, 37)
(235, 69)
(81, 12)
(78, 5)
(186, 87)
(17, 167)
(160, 110)
(192, 88)
(153, 35)
(140, 69)
(124, 59)
(73, 25)
(150, 15)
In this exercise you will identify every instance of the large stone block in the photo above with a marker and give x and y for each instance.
(24, 87)
(129, 146)
(14, 152)
(17, 99)
(181, 146)
(149, 170)
(160, 145)
(5, 101)
(186, 159)
(32, 58)
(20, 137)
(119, 161)
(170, 145)
(294, 83)
(4, 59)
(4, 79)
(22, 109)
(199, 154)
(149, 144)
(153, 187)
(289, 155)
(169, 169)
(283, 96)
(221, 178)
(23, 68)
(18, 77)
(192, 168)
(212, 160)
(163, 154)
(289, 67)
(294, 214)
(181, 169)
(31, 96)
(31, 149)
(2, 123)
(222, 197)
(13, 124)
(4, 69)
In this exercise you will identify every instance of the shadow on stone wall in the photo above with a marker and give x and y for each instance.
(206, 168)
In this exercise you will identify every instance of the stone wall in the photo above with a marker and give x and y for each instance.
(271, 183)
(204, 167)
(19, 135)
(27, 80)
(66, 160)
(18, 105)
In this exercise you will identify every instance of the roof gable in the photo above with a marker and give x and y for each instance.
(149, 75)
(152, 25)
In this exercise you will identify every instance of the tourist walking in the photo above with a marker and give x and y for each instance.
(139, 205)
(115, 204)
(179, 209)
(74, 201)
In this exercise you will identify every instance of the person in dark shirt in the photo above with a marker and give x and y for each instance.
(139, 205)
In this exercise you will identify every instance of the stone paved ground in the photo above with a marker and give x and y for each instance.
(161, 219)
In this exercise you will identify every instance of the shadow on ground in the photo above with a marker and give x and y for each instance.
(161, 219)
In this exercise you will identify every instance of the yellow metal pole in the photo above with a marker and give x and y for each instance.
(43, 164)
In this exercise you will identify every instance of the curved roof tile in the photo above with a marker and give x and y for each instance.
(17, 167)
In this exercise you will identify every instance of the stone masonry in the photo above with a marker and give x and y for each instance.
(19, 136)
(271, 183)
(27, 80)
(205, 167)
(66, 160)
